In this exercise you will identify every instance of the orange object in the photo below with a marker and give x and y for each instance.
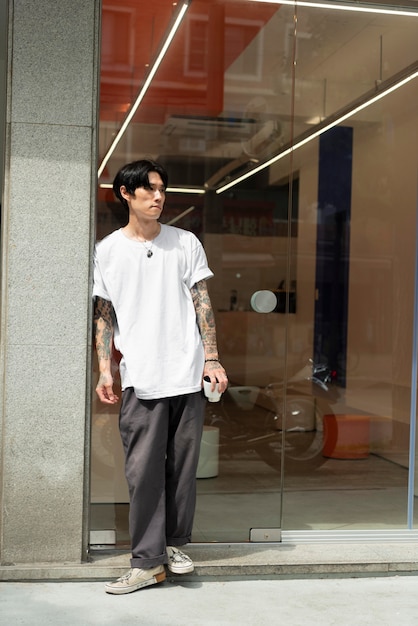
(346, 436)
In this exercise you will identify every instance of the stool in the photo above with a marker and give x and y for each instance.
(208, 466)
(346, 436)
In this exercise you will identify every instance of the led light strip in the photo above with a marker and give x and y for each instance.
(179, 217)
(196, 190)
(186, 190)
(145, 86)
(357, 8)
(324, 127)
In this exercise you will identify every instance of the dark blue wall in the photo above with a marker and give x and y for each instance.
(333, 249)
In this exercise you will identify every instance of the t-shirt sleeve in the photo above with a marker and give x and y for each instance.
(99, 287)
(199, 264)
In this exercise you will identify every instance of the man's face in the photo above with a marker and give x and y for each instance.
(147, 203)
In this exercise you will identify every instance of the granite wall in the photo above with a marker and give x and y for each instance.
(47, 234)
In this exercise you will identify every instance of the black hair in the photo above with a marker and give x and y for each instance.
(136, 174)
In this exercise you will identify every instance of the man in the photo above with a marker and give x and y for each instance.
(151, 300)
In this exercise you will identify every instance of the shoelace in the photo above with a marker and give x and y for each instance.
(179, 557)
(125, 577)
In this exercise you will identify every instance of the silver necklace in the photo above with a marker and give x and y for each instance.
(148, 249)
(147, 243)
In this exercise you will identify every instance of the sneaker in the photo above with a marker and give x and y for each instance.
(178, 562)
(136, 579)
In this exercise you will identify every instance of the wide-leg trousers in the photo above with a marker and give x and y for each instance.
(161, 440)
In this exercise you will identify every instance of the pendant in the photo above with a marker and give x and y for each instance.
(149, 254)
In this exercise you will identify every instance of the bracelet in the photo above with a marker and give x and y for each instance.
(207, 360)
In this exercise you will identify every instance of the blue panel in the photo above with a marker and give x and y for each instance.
(333, 248)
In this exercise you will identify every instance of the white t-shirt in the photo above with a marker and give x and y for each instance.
(156, 330)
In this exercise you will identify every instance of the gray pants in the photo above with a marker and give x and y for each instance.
(161, 439)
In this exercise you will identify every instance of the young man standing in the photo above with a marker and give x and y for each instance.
(151, 301)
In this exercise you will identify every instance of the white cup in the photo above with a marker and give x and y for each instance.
(212, 396)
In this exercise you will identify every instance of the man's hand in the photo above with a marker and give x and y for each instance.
(217, 374)
(104, 389)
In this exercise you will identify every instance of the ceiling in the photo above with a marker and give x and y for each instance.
(239, 79)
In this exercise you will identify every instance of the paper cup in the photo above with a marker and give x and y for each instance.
(212, 396)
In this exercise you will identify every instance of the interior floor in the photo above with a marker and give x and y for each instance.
(368, 493)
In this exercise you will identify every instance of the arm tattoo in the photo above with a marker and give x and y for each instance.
(103, 322)
(205, 318)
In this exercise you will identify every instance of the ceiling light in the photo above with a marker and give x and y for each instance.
(348, 6)
(179, 217)
(182, 10)
(186, 190)
(196, 190)
(367, 100)
(313, 121)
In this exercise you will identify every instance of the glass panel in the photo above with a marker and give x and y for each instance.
(327, 227)
(204, 117)
(355, 268)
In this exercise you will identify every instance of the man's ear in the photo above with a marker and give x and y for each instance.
(124, 193)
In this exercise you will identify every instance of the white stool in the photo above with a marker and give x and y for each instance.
(208, 466)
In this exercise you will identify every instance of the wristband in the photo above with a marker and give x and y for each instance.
(207, 360)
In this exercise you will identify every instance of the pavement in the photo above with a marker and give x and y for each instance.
(370, 583)
(356, 557)
(369, 601)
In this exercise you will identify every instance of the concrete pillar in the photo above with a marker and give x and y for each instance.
(47, 239)
(3, 74)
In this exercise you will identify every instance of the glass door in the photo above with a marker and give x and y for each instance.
(354, 151)
(290, 136)
(205, 116)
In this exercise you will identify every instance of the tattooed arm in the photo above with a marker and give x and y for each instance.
(103, 323)
(206, 323)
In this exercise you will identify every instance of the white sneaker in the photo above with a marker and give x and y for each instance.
(135, 579)
(178, 562)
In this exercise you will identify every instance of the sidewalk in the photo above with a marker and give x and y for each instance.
(239, 561)
(316, 584)
(387, 601)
